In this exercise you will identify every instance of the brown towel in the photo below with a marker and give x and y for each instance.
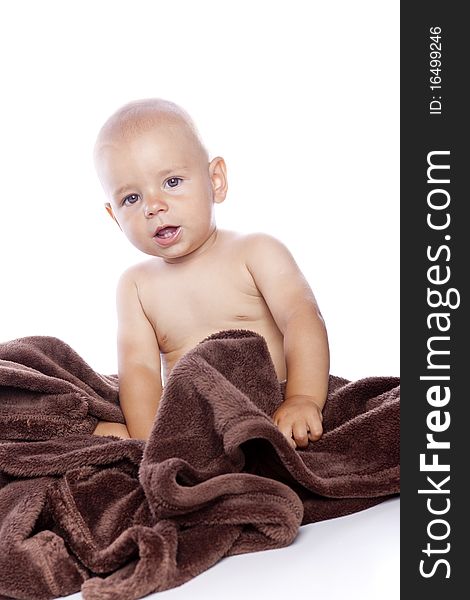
(122, 519)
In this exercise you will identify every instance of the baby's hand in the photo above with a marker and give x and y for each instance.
(299, 418)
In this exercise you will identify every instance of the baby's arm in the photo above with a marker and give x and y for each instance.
(140, 385)
(295, 310)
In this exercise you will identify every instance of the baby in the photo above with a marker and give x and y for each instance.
(161, 190)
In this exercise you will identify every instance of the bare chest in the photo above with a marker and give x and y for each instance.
(185, 307)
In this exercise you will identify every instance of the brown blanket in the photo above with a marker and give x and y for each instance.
(121, 519)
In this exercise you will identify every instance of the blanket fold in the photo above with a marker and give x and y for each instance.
(120, 519)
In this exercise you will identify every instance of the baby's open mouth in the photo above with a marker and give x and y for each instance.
(167, 232)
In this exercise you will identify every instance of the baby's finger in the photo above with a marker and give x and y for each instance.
(300, 434)
(315, 429)
(287, 433)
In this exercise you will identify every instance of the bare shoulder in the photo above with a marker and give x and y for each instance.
(259, 239)
(253, 242)
(260, 247)
(138, 273)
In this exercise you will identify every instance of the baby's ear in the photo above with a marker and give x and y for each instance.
(218, 175)
(109, 210)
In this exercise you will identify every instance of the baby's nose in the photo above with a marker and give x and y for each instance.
(154, 205)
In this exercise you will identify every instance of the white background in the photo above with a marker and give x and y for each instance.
(299, 97)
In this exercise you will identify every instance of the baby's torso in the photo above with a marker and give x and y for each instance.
(186, 302)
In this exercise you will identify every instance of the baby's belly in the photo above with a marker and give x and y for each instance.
(274, 341)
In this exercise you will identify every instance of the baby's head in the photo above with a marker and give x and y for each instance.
(160, 185)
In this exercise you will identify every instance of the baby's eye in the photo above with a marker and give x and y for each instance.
(173, 182)
(131, 199)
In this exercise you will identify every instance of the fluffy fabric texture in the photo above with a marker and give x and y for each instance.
(120, 519)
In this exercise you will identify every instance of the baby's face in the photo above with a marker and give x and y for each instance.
(161, 189)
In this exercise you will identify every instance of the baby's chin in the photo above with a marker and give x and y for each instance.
(181, 249)
(151, 247)
(169, 254)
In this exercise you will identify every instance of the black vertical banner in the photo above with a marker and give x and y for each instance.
(435, 333)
